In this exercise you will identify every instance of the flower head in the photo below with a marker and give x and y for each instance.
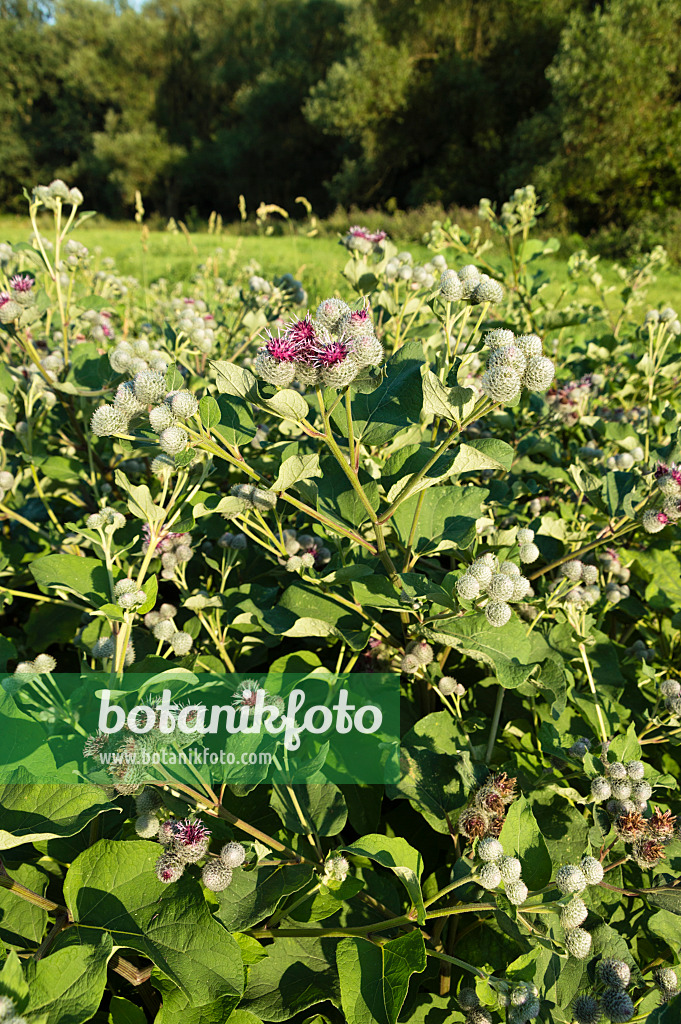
(283, 348)
(21, 283)
(189, 832)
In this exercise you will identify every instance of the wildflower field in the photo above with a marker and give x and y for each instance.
(453, 470)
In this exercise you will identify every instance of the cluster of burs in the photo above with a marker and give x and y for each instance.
(501, 583)
(329, 349)
(521, 999)
(609, 998)
(666, 319)
(515, 362)
(185, 842)
(468, 285)
(402, 269)
(148, 393)
(285, 289)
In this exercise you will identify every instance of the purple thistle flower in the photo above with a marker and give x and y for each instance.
(359, 316)
(662, 517)
(190, 833)
(5, 297)
(370, 236)
(282, 348)
(21, 283)
(330, 355)
(95, 744)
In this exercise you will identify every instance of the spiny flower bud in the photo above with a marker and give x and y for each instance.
(184, 405)
(469, 276)
(181, 643)
(525, 536)
(587, 1010)
(670, 688)
(511, 869)
(7, 1010)
(516, 893)
(498, 613)
(233, 855)
(366, 351)
(468, 999)
(163, 630)
(667, 981)
(336, 868)
(6, 480)
(278, 372)
(499, 338)
(473, 822)
(573, 914)
(570, 878)
(422, 651)
(44, 663)
(530, 345)
(161, 417)
(169, 868)
(600, 789)
(641, 791)
(539, 374)
(148, 801)
(103, 648)
(340, 375)
(500, 587)
(490, 849)
(616, 771)
(654, 520)
(108, 420)
(255, 496)
(448, 685)
(528, 553)
(216, 876)
(482, 570)
(173, 440)
(487, 290)
(501, 384)
(592, 870)
(146, 826)
(479, 1015)
(489, 876)
(621, 790)
(450, 286)
(617, 1005)
(150, 386)
(294, 563)
(330, 312)
(636, 770)
(467, 587)
(572, 570)
(409, 663)
(615, 973)
(578, 943)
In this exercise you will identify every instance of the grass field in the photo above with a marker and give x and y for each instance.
(316, 261)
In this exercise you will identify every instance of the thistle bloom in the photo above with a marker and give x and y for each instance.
(21, 283)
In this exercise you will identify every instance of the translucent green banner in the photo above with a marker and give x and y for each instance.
(177, 726)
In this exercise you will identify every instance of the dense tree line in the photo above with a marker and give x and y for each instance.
(353, 101)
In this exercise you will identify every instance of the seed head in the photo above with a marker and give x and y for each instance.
(181, 643)
(479, 1016)
(530, 345)
(614, 973)
(573, 914)
(473, 822)
(468, 999)
(487, 290)
(539, 374)
(667, 981)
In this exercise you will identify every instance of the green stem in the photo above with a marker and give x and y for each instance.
(495, 725)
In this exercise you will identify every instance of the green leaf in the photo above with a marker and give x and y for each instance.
(374, 979)
(668, 1013)
(150, 588)
(486, 453)
(667, 899)
(295, 468)
(209, 411)
(35, 812)
(24, 751)
(67, 986)
(12, 981)
(86, 576)
(117, 890)
(327, 901)
(506, 649)
(521, 837)
(140, 501)
(448, 403)
(445, 520)
(235, 380)
(317, 615)
(236, 424)
(122, 1011)
(395, 853)
(437, 774)
(322, 807)
(178, 1009)
(287, 403)
(22, 924)
(336, 495)
(378, 416)
(297, 974)
(254, 895)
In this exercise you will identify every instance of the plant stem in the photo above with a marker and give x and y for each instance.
(592, 687)
(495, 725)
